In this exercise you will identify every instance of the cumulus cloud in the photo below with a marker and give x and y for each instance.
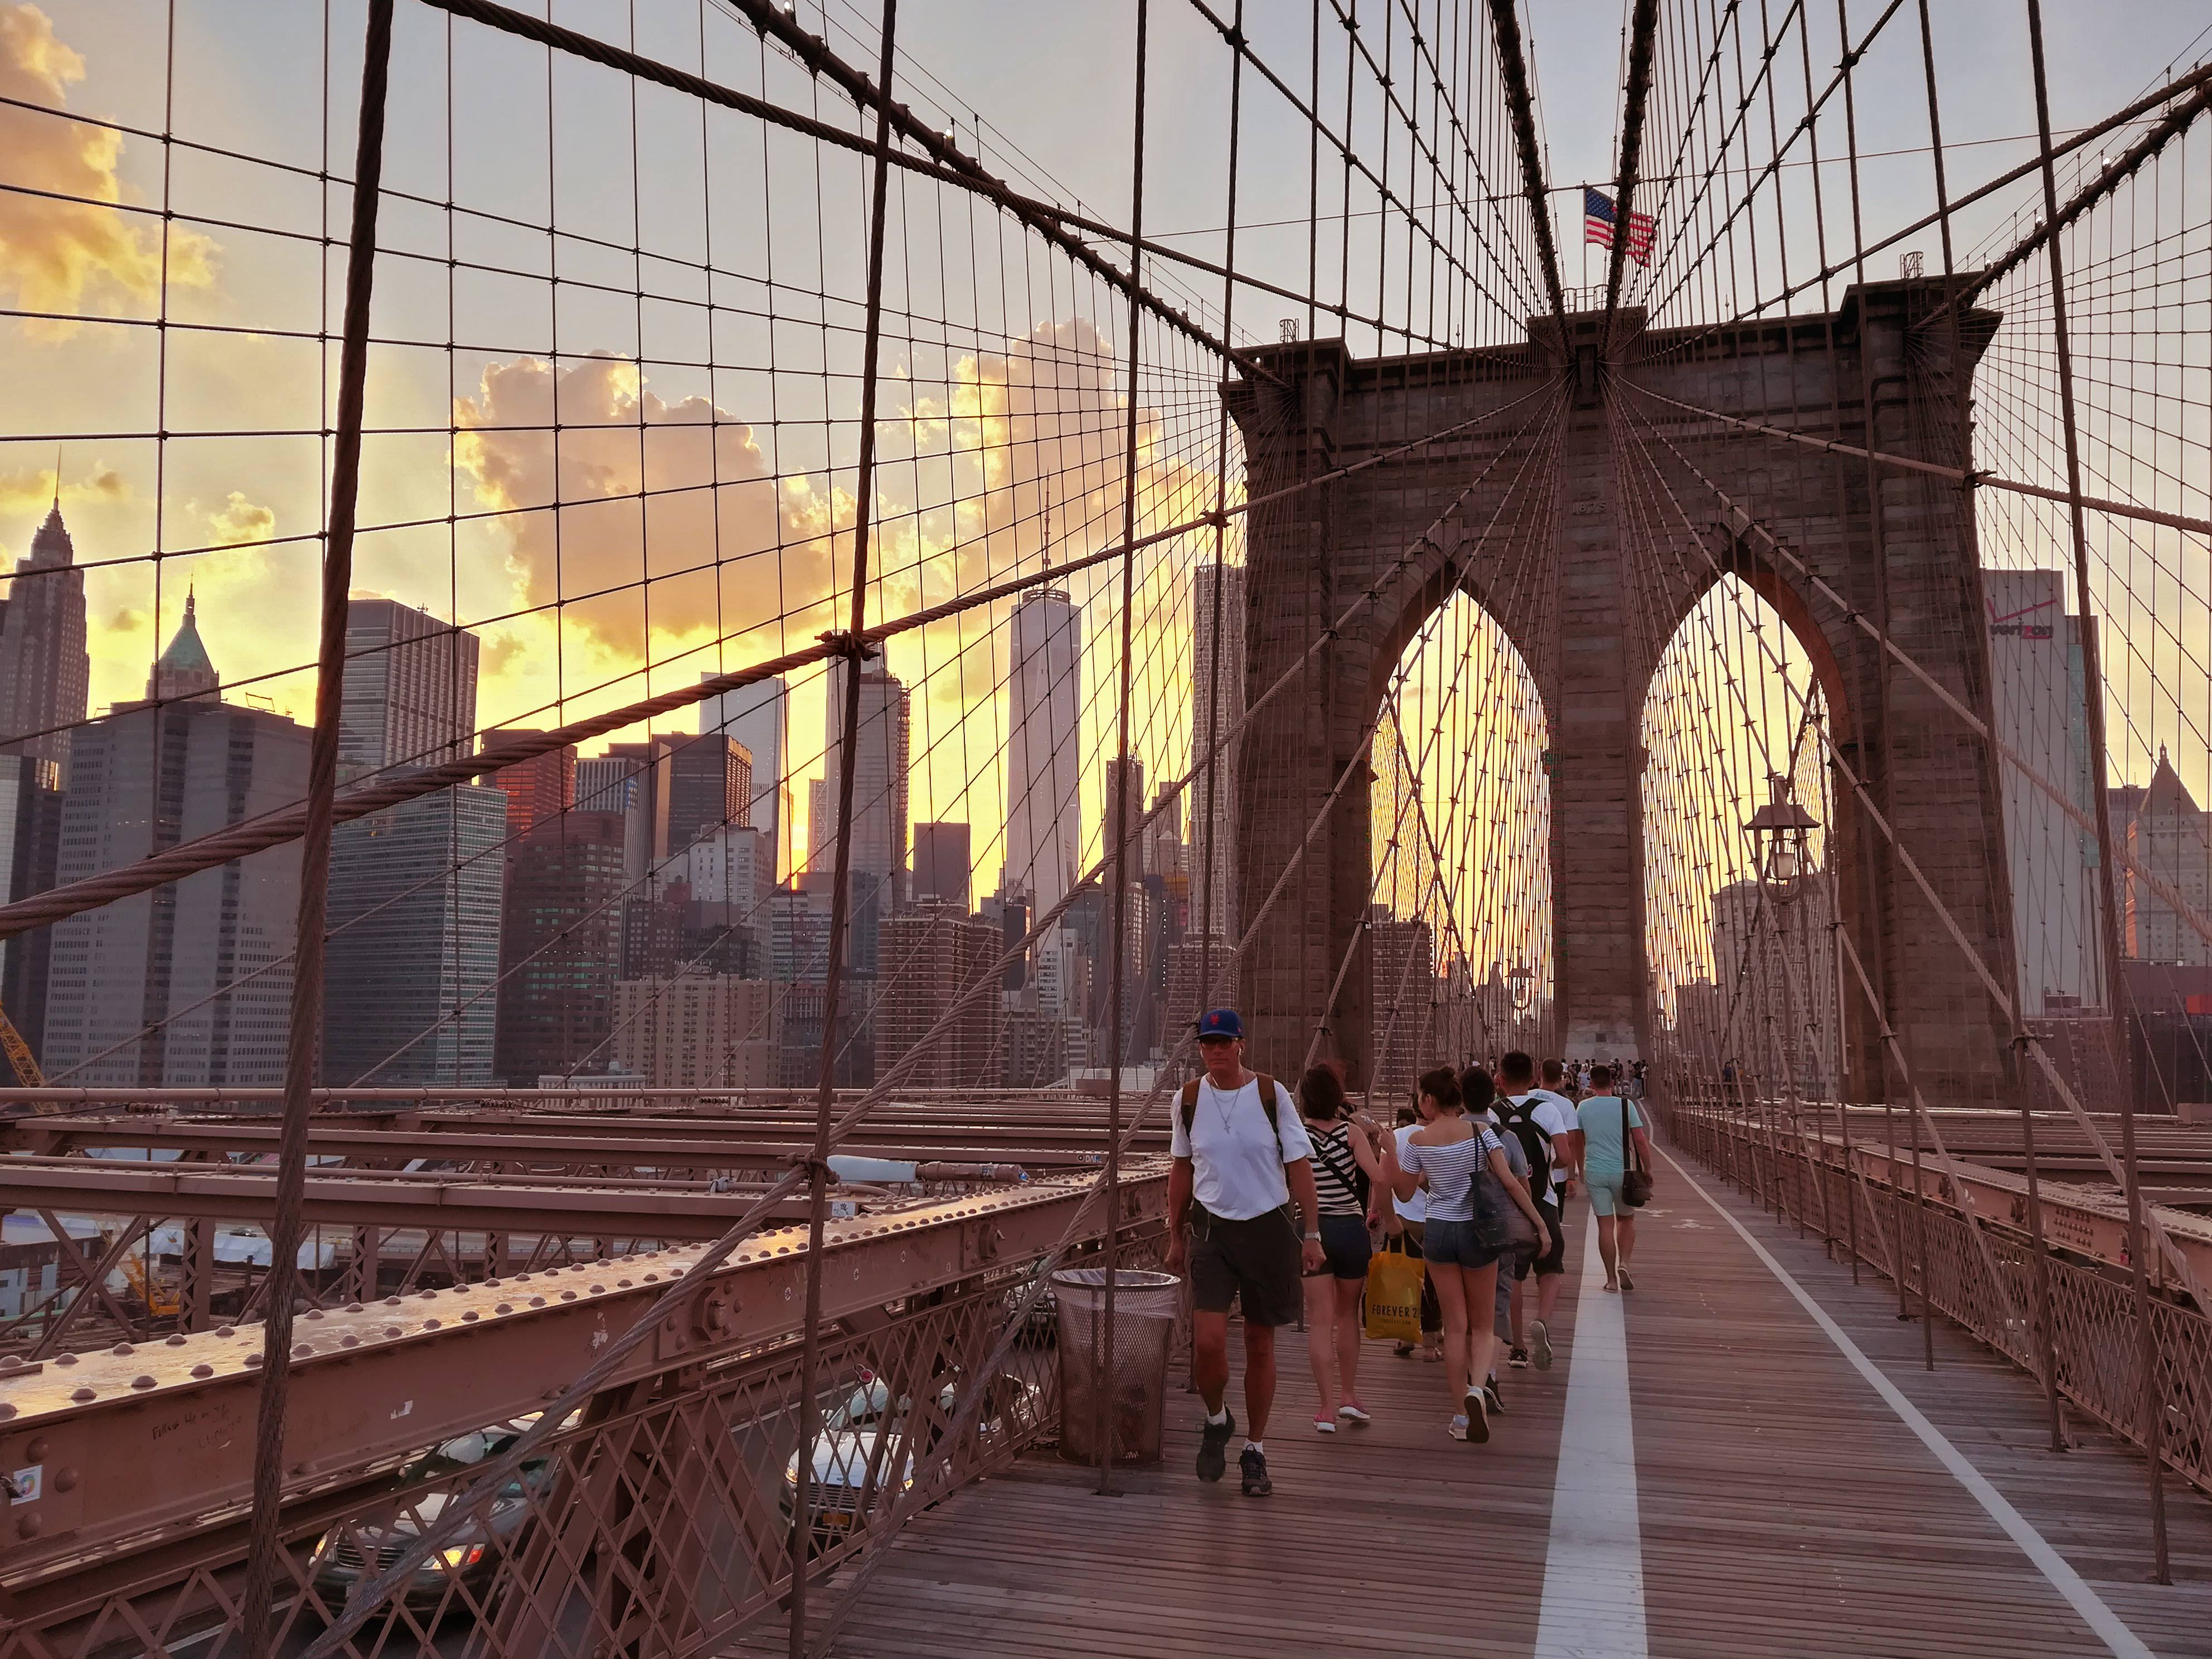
(30, 491)
(574, 527)
(238, 522)
(78, 253)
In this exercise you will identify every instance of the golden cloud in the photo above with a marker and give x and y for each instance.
(238, 522)
(22, 492)
(641, 508)
(69, 250)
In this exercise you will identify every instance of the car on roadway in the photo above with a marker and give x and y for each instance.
(848, 1469)
(459, 1578)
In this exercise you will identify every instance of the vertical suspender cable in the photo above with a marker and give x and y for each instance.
(1118, 957)
(809, 1412)
(2092, 696)
(1212, 691)
(303, 1042)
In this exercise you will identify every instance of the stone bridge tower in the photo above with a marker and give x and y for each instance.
(1590, 605)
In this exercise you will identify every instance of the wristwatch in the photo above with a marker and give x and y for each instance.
(1314, 1238)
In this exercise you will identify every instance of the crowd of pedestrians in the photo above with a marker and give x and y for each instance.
(1279, 1201)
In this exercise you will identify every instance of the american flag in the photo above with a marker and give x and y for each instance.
(1598, 226)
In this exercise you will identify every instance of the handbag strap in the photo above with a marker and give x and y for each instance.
(1627, 1139)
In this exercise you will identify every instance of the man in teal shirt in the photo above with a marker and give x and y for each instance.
(1608, 1122)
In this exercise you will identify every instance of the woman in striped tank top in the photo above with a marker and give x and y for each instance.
(1447, 1155)
(1344, 1161)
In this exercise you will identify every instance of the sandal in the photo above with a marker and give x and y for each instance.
(1324, 1425)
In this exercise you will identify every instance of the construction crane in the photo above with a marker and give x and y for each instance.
(19, 1056)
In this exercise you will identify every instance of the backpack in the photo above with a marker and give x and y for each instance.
(1535, 1145)
(1267, 1086)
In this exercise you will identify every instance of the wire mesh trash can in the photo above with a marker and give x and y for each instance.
(1144, 1332)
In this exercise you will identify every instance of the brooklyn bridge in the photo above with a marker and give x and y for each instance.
(660, 656)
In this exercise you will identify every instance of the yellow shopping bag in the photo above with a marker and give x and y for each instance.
(1394, 1296)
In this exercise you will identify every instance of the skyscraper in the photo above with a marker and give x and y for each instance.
(934, 956)
(879, 778)
(415, 891)
(941, 864)
(203, 960)
(561, 948)
(411, 687)
(414, 948)
(1044, 828)
(536, 789)
(183, 672)
(2036, 681)
(45, 676)
(30, 845)
(673, 790)
(1112, 821)
(2170, 837)
(759, 717)
(1218, 697)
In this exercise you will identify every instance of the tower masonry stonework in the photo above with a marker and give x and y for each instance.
(1649, 504)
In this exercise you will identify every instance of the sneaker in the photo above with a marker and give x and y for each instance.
(1543, 1335)
(1254, 1464)
(1518, 1359)
(1324, 1425)
(1353, 1412)
(1478, 1417)
(1213, 1447)
(1626, 1282)
(1491, 1396)
(1457, 1428)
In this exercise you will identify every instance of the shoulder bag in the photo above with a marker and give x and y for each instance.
(1636, 1184)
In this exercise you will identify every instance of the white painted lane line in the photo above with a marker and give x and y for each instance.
(1594, 1565)
(2109, 1628)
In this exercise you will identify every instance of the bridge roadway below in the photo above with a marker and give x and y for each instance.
(1778, 1502)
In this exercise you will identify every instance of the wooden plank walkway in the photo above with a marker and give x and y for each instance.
(1785, 1507)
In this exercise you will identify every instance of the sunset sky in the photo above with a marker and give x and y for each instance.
(666, 368)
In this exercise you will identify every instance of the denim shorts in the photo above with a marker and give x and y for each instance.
(1343, 1240)
(1605, 1192)
(1455, 1241)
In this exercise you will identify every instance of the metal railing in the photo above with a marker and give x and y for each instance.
(2081, 1311)
(659, 1516)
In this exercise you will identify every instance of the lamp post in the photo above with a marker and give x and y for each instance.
(1781, 832)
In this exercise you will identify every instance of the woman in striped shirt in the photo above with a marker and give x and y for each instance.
(1344, 1162)
(1448, 1156)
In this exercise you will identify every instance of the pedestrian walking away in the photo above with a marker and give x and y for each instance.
(1479, 1094)
(1544, 1120)
(1464, 1235)
(1244, 1214)
(1611, 1133)
(1347, 1170)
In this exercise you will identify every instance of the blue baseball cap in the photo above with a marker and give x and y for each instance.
(1221, 1023)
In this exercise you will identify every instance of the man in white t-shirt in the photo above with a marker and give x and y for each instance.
(1239, 1163)
(1554, 1114)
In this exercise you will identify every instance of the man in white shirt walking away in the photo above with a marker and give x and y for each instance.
(1241, 1157)
(1545, 1121)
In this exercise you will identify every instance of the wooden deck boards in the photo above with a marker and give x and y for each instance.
(1785, 1509)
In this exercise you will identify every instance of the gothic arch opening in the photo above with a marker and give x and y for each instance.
(1458, 927)
(1741, 873)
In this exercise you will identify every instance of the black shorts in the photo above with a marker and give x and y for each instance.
(1255, 1263)
(1553, 1260)
(1343, 1240)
